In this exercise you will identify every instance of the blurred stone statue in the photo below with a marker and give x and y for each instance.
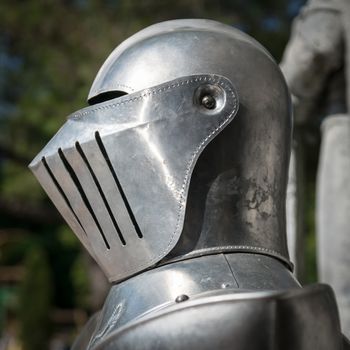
(316, 65)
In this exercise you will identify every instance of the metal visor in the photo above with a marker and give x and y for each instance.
(119, 171)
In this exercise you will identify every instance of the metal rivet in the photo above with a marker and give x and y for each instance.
(181, 298)
(208, 102)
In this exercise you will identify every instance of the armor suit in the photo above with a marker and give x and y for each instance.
(174, 180)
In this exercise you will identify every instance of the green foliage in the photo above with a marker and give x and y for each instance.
(17, 181)
(8, 302)
(12, 252)
(81, 283)
(35, 301)
(62, 254)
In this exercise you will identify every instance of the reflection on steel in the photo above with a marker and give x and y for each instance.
(90, 168)
(160, 287)
(254, 321)
(178, 167)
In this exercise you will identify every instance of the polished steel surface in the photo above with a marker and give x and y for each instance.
(303, 319)
(236, 199)
(171, 49)
(147, 178)
(164, 286)
(119, 172)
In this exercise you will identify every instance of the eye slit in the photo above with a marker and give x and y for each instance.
(106, 96)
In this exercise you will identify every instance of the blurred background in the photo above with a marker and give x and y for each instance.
(50, 52)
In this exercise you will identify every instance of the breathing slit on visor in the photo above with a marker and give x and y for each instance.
(120, 189)
(82, 193)
(59, 188)
(78, 184)
(82, 154)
